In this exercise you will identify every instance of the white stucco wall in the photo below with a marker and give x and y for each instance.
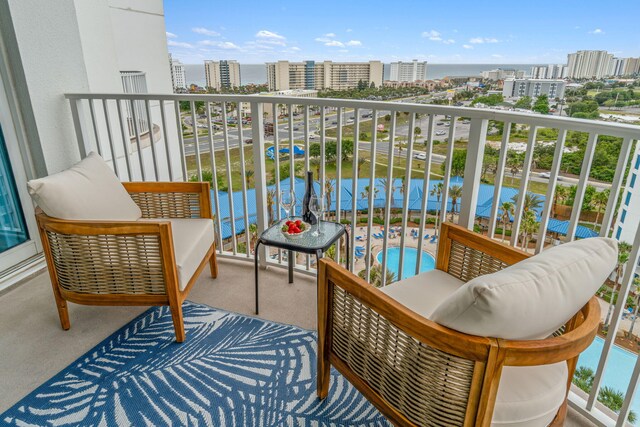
(52, 62)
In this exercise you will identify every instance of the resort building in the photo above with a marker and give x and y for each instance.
(501, 74)
(222, 74)
(628, 219)
(589, 64)
(284, 75)
(516, 88)
(178, 79)
(551, 71)
(408, 71)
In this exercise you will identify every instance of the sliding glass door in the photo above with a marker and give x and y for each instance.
(13, 228)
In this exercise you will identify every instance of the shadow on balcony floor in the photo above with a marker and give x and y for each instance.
(33, 347)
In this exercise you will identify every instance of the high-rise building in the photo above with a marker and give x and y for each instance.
(178, 79)
(408, 71)
(551, 71)
(589, 64)
(629, 213)
(222, 74)
(631, 67)
(284, 75)
(515, 88)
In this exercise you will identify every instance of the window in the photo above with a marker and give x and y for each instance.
(638, 162)
(627, 199)
(623, 216)
(618, 233)
(633, 180)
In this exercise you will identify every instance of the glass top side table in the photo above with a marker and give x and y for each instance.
(308, 244)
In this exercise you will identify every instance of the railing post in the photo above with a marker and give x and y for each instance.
(472, 172)
(260, 176)
(80, 125)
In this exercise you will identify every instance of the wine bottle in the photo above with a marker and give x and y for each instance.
(307, 215)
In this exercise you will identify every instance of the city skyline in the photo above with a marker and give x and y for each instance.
(437, 33)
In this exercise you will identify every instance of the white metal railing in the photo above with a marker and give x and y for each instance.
(167, 152)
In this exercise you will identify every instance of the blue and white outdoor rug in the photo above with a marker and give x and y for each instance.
(232, 370)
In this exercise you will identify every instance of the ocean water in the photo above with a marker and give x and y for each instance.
(257, 73)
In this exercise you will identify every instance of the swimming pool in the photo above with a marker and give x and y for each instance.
(619, 368)
(409, 261)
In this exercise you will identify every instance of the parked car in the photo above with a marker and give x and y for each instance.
(440, 133)
(248, 141)
(544, 174)
(440, 124)
(420, 156)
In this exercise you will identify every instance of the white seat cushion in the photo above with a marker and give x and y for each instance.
(89, 190)
(533, 298)
(423, 293)
(192, 238)
(530, 395)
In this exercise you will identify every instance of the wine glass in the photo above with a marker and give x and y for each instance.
(287, 201)
(316, 206)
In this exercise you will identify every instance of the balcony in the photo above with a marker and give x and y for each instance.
(385, 207)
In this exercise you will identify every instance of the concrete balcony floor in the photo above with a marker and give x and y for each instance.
(33, 346)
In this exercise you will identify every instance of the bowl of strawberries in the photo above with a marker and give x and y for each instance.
(295, 229)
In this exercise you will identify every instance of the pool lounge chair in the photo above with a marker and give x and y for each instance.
(433, 239)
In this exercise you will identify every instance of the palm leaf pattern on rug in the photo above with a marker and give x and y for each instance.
(232, 370)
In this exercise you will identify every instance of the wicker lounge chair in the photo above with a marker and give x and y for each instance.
(154, 260)
(420, 373)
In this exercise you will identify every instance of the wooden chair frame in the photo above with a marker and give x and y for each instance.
(126, 262)
(340, 292)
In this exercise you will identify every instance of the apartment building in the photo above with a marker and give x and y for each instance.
(516, 88)
(284, 75)
(588, 64)
(178, 79)
(408, 71)
(551, 71)
(222, 74)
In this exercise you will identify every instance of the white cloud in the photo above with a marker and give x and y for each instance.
(265, 36)
(348, 30)
(330, 35)
(354, 43)
(449, 41)
(432, 35)
(480, 40)
(295, 48)
(219, 44)
(596, 31)
(334, 43)
(467, 46)
(171, 35)
(205, 31)
(322, 39)
(174, 43)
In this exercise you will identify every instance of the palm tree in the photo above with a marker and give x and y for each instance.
(598, 203)
(561, 194)
(531, 202)
(366, 193)
(614, 399)
(437, 192)
(455, 193)
(508, 210)
(375, 276)
(528, 226)
(636, 302)
(329, 187)
(253, 234)
(249, 176)
(271, 200)
(389, 188)
(583, 378)
(624, 250)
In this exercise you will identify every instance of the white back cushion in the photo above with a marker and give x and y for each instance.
(89, 190)
(533, 298)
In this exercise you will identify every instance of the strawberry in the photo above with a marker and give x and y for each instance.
(298, 222)
(288, 222)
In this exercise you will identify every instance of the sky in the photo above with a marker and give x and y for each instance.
(445, 32)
